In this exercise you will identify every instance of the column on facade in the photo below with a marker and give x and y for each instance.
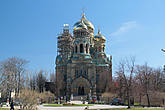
(84, 48)
(78, 48)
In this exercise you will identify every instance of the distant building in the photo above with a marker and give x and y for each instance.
(13, 93)
(82, 66)
(50, 86)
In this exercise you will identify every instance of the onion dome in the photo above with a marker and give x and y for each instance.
(80, 26)
(99, 37)
(86, 22)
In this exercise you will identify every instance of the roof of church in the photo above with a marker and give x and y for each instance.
(85, 21)
(99, 36)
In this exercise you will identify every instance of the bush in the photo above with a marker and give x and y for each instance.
(47, 97)
(28, 99)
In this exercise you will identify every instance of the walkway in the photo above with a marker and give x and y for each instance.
(41, 107)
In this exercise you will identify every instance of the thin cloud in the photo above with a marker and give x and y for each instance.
(125, 27)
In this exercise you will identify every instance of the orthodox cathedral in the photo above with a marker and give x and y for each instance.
(82, 66)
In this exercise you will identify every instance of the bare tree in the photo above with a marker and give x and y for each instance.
(158, 78)
(12, 74)
(144, 75)
(139, 92)
(36, 80)
(125, 72)
(52, 77)
(40, 81)
(33, 82)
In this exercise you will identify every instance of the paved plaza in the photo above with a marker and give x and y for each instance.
(41, 107)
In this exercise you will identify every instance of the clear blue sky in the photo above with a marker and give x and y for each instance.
(29, 28)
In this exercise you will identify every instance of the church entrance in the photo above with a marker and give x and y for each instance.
(81, 90)
(80, 87)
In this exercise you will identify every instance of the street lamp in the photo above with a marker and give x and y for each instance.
(163, 50)
(164, 65)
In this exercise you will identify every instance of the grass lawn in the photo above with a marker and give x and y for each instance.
(58, 105)
(4, 109)
(133, 109)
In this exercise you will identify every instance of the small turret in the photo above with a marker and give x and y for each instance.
(99, 42)
(99, 37)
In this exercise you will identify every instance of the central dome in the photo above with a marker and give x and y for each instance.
(81, 25)
(86, 22)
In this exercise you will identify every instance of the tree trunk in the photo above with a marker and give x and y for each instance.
(148, 100)
(140, 100)
(19, 82)
(129, 106)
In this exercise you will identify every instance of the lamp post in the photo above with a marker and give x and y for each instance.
(163, 50)
(164, 65)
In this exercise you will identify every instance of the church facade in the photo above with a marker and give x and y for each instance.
(82, 66)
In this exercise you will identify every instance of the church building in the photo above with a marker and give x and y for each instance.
(82, 66)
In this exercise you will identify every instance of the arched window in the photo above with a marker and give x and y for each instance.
(87, 48)
(103, 49)
(81, 48)
(76, 49)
